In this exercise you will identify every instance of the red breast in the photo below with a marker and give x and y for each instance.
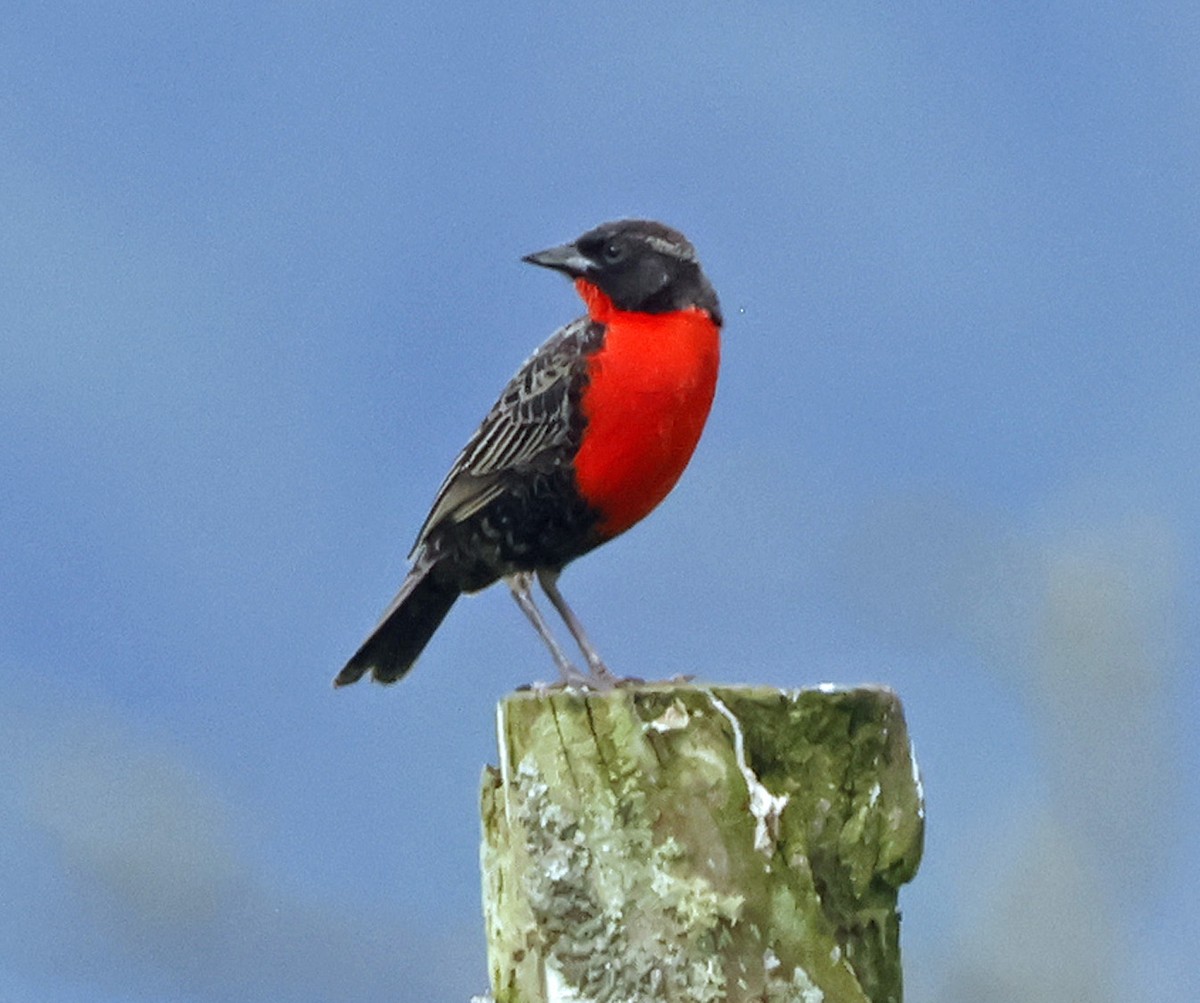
(650, 387)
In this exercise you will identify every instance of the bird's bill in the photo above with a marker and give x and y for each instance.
(564, 258)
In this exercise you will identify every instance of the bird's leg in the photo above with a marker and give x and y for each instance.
(521, 585)
(549, 582)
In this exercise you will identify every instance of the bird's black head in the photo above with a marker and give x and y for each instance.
(639, 264)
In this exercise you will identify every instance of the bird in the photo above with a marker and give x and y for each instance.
(587, 438)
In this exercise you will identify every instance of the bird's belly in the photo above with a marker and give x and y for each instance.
(649, 392)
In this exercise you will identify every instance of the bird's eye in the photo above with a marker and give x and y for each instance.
(613, 252)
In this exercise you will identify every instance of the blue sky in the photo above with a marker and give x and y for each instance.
(260, 279)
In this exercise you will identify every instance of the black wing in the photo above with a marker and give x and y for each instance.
(535, 422)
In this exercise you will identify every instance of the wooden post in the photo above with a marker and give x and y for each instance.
(698, 843)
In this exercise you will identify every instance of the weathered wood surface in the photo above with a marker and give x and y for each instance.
(699, 843)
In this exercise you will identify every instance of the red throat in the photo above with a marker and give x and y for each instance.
(650, 388)
(599, 306)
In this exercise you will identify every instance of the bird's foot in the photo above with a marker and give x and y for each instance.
(600, 677)
(572, 679)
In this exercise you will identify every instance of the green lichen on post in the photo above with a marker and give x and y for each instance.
(690, 843)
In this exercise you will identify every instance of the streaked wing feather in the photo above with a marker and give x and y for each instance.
(531, 417)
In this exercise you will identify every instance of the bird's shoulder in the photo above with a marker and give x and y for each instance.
(535, 423)
(544, 382)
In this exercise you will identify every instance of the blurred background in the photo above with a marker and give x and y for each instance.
(260, 279)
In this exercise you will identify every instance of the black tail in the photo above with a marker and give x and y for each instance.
(407, 625)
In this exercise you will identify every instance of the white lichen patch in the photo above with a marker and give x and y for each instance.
(764, 806)
(916, 776)
(693, 901)
(873, 796)
(809, 991)
(673, 718)
(800, 988)
(558, 990)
